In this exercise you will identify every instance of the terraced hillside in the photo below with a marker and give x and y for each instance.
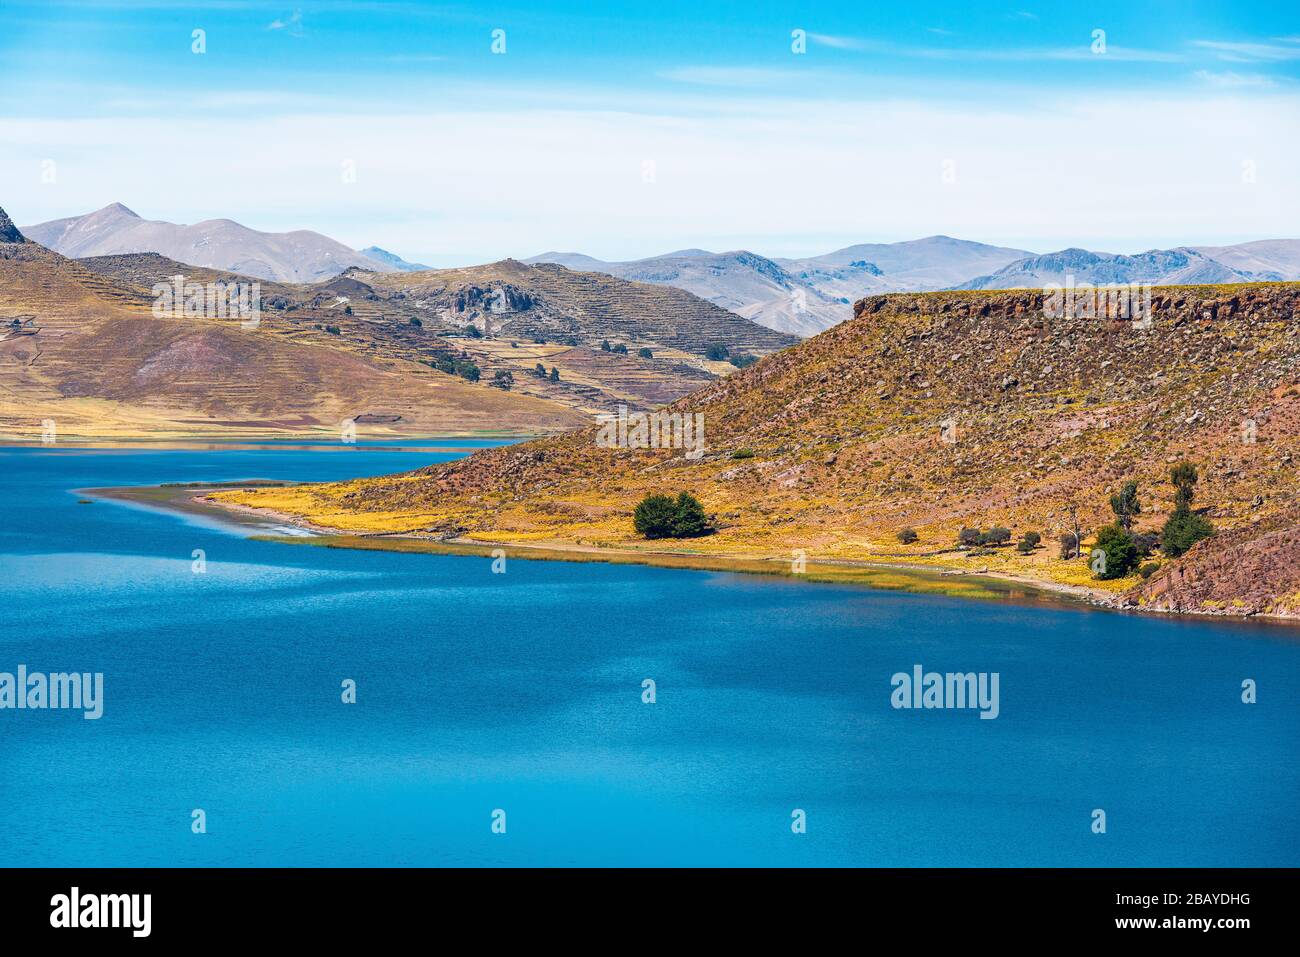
(500, 321)
(932, 412)
(512, 299)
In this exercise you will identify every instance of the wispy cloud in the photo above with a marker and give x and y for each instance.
(1284, 48)
(1228, 80)
(292, 25)
(1008, 54)
(739, 76)
(836, 42)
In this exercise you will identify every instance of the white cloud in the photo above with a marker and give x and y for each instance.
(788, 177)
(1252, 52)
(291, 25)
(1228, 80)
(838, 43)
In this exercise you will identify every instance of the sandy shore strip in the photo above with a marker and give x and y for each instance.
(934, 578)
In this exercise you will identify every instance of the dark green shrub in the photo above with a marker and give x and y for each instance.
(654, 516)
(907, 535)
(690, 520)
(1119, 554)
(969, 537)
(660, 516)
(645, 353)
(1183, 530)
(716, 353)
(1148, 569)
(997, 535)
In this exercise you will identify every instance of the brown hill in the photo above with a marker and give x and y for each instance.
(513, 299)
(931, 411)
(503, 320)
(84, 349)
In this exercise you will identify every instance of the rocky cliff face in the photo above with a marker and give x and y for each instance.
(1252, 570)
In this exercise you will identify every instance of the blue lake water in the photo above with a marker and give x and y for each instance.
(522, 692)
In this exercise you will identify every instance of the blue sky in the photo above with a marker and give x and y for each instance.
(634, 128)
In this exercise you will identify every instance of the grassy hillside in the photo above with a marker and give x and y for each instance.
(930, 411)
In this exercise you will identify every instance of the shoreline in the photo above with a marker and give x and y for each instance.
(917, 577)
(194, 499)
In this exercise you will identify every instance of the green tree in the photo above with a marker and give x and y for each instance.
(645, 353)
(716, 353)
(539, 370)
(689, 520)
(604, 345)
(907, 535)
(1184, 528)
(654, 516)
(555, 374)
(661, 516)
(620, 349)
(970, 537)
(1028, 542)
(997, 535)
(1184, 478)
(1125, 505)
(1119, 554)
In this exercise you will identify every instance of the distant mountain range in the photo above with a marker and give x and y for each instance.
(805, 296)
(298, 256)
(798, 296)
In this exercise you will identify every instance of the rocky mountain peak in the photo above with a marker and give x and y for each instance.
(8, 231)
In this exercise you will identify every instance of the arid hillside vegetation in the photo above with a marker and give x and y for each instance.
(884, 437)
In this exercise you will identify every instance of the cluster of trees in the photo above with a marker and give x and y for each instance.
(455, 365)
(539, 370)
(503, 379)
(1119, 550)
(619, 348)
(718, 352)
(662, 516)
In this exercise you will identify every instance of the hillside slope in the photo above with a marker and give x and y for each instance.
(83, 348)
(931, 411)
